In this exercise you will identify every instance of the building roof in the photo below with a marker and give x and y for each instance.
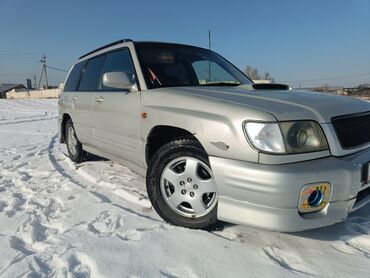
(6, 87)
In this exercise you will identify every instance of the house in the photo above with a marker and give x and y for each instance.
(6, 87)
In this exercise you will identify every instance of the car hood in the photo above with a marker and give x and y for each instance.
(284, 105)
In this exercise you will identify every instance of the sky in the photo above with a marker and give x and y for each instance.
(299, 42)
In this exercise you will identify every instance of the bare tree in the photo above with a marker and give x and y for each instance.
(267, 76)
(253, 74)
(248, 70)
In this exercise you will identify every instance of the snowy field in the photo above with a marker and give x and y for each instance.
(58, 219)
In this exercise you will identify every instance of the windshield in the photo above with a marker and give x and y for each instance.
(171, 65)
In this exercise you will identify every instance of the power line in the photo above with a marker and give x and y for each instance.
(17, 57)
(55, 68)
(11, 74)
(17, 53)
(329, 78)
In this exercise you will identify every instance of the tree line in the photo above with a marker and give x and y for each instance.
(253, 74)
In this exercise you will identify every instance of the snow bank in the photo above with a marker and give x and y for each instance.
(50, 93)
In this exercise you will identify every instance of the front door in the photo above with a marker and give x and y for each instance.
(116, 113)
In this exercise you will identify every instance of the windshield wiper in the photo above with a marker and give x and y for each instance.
(221, 84)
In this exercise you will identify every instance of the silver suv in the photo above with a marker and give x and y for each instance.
(212, 144)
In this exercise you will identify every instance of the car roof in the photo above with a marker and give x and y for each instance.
(149, 43)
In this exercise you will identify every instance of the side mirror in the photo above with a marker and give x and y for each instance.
(119, 80)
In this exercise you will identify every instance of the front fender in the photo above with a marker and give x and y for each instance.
(217, 125)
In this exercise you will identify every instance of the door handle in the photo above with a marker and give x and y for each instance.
(99, 99)
(74, 98)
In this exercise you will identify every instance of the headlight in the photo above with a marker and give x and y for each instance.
(303, 136)
(286, 137)
(265, 137)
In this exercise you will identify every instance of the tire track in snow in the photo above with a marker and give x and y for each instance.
(358, 239)
(29, 120)
(35, 236)
(100, 196)
(38, 235)
(37, 245)
(216, 230)
(287, 260)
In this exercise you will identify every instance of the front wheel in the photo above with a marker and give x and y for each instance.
(181, 185)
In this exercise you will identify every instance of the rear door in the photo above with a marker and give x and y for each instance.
(83, 98)
(77, 103)
(116, 113)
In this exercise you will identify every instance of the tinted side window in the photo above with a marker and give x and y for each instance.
(91, 78)
(119, 61)
(74, 77)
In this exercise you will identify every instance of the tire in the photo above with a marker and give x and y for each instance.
(74, 146)
(181, 185)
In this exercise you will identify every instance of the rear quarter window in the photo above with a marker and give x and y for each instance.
(74, 77)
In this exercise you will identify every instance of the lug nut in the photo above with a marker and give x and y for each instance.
(183, 192)
(189, 179)
(195, 186)
(182, 183)
(192, 194)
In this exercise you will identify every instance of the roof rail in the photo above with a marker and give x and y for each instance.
(105, 46)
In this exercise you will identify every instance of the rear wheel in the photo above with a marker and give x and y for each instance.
(74, 147)
(181, 185)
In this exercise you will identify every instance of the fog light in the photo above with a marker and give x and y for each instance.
(314, 197)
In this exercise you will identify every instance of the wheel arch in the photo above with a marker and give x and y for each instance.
(162, 134)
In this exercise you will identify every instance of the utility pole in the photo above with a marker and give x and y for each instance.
(209, 62)
(43, 61)
(209, 39)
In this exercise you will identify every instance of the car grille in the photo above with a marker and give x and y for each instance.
(353, 130)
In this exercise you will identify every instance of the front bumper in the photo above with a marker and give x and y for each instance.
(267, 196)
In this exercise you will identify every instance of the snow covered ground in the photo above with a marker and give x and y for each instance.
(58, 219)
